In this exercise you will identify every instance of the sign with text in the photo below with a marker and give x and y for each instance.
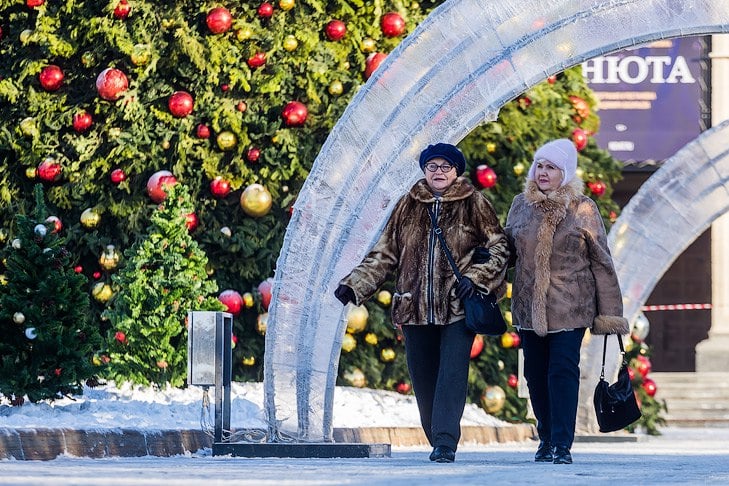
(651, 98)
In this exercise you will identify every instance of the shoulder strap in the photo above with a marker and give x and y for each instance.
(604, 349)
(439, 234)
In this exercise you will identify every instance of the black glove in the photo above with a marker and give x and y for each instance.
(344, 294)
(465, 288)
(481, 255)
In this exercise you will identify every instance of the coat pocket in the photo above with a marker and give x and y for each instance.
(402, 308)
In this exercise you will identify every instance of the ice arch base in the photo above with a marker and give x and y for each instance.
(455, 71)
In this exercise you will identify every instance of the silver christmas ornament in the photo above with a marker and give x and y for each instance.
(18, 318)
(40, 230)
(16, 244)
(31, 333)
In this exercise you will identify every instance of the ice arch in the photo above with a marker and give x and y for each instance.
(455, 71)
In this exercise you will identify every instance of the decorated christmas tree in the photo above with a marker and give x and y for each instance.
(163, 278)
(47, 343)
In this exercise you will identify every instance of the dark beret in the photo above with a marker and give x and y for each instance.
(447, 151)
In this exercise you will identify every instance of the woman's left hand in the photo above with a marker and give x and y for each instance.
(465, 288)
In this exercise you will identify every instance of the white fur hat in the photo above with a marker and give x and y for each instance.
(560, 152)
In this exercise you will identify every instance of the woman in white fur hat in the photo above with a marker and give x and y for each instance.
(564, 283)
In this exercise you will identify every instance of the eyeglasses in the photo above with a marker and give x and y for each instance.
(432, 167)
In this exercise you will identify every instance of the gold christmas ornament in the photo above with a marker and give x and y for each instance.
(256, 201)
(290, 43)
(368, 45)
(141, 54)
(244, 34)
(249, 361)
(518, 169)
(493, 399)
(90, 218)
(384, 297)
(508, 317)
(226, 140)
(336, 88)
(31, 172)
(507, 340)
(357, 319)
(248, 300)
(348, 343)
(102, 292)
(371, 338)
(28, 127)
(109, 260)
(491, 147)
(286, 4)
(580, 173)
(387, 355)
(356, 377)
(508, 290)
(262, 323)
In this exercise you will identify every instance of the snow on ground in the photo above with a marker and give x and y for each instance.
(131, 406)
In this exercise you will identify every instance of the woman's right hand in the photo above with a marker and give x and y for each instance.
(345, 294)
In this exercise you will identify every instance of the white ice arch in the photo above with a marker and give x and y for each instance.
(454, 72)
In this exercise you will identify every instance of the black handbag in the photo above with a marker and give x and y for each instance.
(615, 405)
(483, 315)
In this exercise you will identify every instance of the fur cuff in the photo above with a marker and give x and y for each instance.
(610, 325)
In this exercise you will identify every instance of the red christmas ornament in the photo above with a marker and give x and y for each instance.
(191, 221)
(253, 154)
(597, 188)
(49, 170)
(57, 371)
(219, 187)
(485, 176)
(373, 62)
(392, 24)
(78, 269)
(512, 381)
(51, 77)
(631, 373)
(516, 340)
(256, 60)
(643, 366)
(82, 121)
(122, 9)
(294, 114)
(120, 336)
(111, 83)
(117, 176)
(224, 87)
(579, 137)
(241, 106)
(156, 183)
(552, 79)
(232, 300)
(650, 387)
(477, 346)
(335, 30)
(34, 3)
(96, 275)
(202, 131)
(403, 387)
(56, 222)
(265, 10)
(219, 20)
(264, 288)
(180, 104)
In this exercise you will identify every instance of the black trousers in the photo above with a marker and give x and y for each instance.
(552, 371)
(438, 358)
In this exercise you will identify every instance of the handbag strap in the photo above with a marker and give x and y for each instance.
(604, 350)
(439, 233)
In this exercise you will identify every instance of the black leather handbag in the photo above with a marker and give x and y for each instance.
(483, 315)
(615, 405)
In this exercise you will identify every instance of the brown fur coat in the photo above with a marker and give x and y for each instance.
(408, 249)
(564, 276)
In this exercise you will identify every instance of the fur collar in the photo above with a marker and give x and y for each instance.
(561, 197)
(554, 207)
(460, 189)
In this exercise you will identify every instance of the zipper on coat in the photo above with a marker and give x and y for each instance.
(431, 264)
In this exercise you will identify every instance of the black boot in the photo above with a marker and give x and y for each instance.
(562, 455)
(443, 454)
(544, 452)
